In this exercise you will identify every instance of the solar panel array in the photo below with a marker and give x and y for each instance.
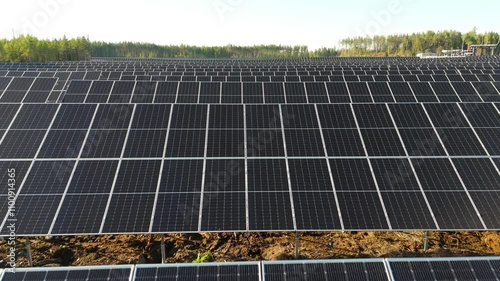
(95, 156)
(415, 269)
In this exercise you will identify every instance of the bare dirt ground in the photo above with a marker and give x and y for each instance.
(126, 249)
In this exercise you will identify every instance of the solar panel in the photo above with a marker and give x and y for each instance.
(217, 272)
(444, 269)
(326, 270)
(95, 273)
(398, 269)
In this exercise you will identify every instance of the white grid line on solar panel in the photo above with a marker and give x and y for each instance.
(117, 173)
(110, 91)
(86, 94)
(413, 170)
(282, 122)
(390, 90)
(370, 91)
(247, 208)
(457, 173)
(205, 153)
(327, 93)
(496, 86)
(371, 169)
(497, 107)
(348, 92)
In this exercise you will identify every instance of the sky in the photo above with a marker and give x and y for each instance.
(315, 23)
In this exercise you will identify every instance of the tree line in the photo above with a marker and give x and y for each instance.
(145, 50)
(30, 49)
(412, 44)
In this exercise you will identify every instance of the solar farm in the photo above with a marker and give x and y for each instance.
(177, 146)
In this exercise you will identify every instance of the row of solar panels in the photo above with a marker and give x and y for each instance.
(41, 90)
(468, 129)
(245, 72)
(256, 67)
(263, 78)
(392, 269)
(252, 167)
(126, 196)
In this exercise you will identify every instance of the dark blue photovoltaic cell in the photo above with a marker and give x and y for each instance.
(352, 175)
(145, 143)
(20, 84)
(267, 175)
(21, 143)
(304, 143)
(151, 116)
(309, 175)
(78, 87)
(43, 84)
(300, 116)
(361, 210)
(264, 117)
(270, 211)
(93, 177)
(373, 116)
(62, 144)
(122, 218)
(35, 116)
(81, 214)
(137, 176)
(74, 116)
(112, 116)
(336, 116)
(407, 210)
(7, 113)
(189, 117)
(223, 211)
(104, 144)
(36, 213)
(177, 212)
(226, 117)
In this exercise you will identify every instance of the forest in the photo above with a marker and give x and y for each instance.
(27, 48)
(412, 44)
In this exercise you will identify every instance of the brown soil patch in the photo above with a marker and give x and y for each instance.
(182, 248)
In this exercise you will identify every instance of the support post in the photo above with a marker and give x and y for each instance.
(297, 241)
(28, 252)
(426, 241)
(163, 248)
